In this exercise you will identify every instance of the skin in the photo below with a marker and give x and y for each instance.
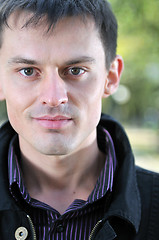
(53, 85)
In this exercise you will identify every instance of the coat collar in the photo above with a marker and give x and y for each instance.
(125, 202)
(6, 202)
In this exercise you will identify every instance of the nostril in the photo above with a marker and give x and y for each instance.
(54, 102)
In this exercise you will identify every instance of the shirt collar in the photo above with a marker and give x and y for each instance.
(105, 180)
(14, 170)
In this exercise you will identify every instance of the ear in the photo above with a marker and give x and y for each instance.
(113, 77)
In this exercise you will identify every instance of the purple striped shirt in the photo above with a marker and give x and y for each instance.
(81, 216)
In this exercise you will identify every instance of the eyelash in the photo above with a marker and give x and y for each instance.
(66, 72)
(25, 69)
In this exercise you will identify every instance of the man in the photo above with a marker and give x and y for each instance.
(66, 173)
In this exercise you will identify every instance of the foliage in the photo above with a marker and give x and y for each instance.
(3, 114)
(138, 44)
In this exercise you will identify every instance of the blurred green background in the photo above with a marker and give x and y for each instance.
(136, 103)
(137, 100)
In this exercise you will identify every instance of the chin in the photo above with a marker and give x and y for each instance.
(55, 151)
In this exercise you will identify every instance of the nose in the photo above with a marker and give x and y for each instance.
(53, 90)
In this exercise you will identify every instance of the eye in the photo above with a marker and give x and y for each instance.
(28, 72)
(76, 71)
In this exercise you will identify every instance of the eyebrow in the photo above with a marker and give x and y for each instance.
(82, 59)
(20, 60)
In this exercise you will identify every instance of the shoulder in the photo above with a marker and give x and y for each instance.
(148, 184)
(148, 181)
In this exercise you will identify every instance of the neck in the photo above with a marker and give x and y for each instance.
(62, 171)
(74, 173)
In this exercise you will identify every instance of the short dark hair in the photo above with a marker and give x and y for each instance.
(55, 10)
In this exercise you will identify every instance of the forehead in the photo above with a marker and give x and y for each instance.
(71, 36)
(20, 20)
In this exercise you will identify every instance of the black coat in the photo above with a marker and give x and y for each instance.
(131, 212)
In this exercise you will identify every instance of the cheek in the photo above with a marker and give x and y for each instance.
(13, 109)
(88, 97)
(13, 115)
(93, 102)
(18, 96)
(17, 115)
(16, 102)
(92, 92)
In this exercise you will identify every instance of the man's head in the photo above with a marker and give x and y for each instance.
(54, 81)
(55, 10)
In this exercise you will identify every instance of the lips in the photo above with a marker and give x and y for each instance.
(53, 122)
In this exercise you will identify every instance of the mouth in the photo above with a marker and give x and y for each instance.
(53, 122)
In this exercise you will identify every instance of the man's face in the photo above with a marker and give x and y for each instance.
(53, 83)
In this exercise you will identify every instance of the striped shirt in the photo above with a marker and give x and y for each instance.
(81, 216)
